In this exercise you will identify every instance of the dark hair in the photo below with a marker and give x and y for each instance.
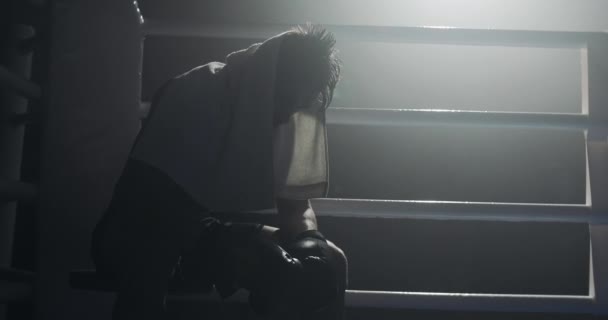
(312, 54)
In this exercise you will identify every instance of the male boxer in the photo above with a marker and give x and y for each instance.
(243, 135)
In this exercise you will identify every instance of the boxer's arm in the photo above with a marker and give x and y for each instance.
(295, 217)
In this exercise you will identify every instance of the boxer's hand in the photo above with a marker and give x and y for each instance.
(305, 275)
(272, 279)
(248, 258)
(320, 282)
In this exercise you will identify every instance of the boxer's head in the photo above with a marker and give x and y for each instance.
(308, 68)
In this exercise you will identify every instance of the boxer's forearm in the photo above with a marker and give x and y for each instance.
(295, 216)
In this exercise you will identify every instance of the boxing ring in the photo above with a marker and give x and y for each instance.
(593, 121)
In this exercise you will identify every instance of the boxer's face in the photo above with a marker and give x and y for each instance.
(297, 80)
(292, 94)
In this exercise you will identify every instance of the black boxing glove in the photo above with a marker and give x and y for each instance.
(300, 277)
(317, 286)
(234, 256)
